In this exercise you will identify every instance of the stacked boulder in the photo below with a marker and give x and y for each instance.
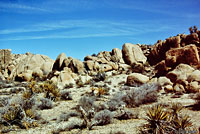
(120, 60)
(168, 54)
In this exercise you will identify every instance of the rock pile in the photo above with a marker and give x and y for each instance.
(144, 61)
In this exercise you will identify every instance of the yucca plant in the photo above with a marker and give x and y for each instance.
(182, 122)
(176, 108)
(156, 117)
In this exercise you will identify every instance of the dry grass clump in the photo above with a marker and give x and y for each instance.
(51, 90)
(134, 97)
(98, 91)
(16, 115)
(162, 120)
(92, 113)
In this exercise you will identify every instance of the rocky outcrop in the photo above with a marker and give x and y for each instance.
(57, 66)
(117, 55)
(24, 66)
(185, 78)
(136, 79)
(77, 66)
(186, 55)
(133, 54)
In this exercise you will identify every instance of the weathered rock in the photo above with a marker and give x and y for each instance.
(65, 78)
(132, 54)
(96, 66)
(85, 79)
(66, 63)
(22, 63)
(37, 72)
(77, 66)
(117, 55)
(105, 67)
(113, 65)
(106, 55)
(168, 88)
(163, 81)
(186, 55)
(46, 67)
(102, 60)
(181, 72)
(191, 39)
(136, 78)
(90, 58)
(124, 67)
(194, 76)
(193, 87)
(59, 61)
(89, 64)
(161, 68)
(5, 57)
(24, 77)
(159, 50)
(179, 88)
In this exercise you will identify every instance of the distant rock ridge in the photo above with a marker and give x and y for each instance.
(155, 60)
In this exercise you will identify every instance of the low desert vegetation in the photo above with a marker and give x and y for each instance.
(135, 96)
(19, 112)
(167, 120)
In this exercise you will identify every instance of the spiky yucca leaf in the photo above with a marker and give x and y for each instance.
(156, 117)
(157, 113)
(176, 108)
(182, 122)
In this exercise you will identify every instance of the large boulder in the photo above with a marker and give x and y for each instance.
(135, 79)
(89, 64)
(57, 66)
(105, 54)
(159, 50)
(194, 76)
(65, 78)
(117, 55)
(24, 62)
(77, 66)
(105, 67)
(181, 72)
(186, 55)
(46, 67)
(133, 54)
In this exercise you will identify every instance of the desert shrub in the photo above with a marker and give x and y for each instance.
(102, 118)
(72, 123)
(51, 90)
(45, 103)
(98, 91)
(116, 102)
(65, 116)
(126, 114)
(92, 113)
(162, 121)
(65, 95)
(16, 115)
(133, 97)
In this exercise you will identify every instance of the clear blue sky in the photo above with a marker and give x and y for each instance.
(82, 27)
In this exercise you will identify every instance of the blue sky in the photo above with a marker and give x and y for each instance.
(83, 27)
